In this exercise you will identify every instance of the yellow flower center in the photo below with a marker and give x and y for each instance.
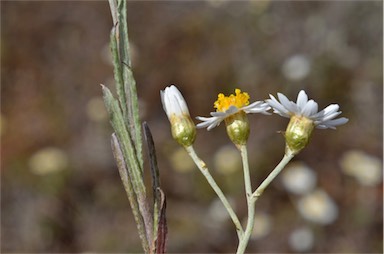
(238, 100)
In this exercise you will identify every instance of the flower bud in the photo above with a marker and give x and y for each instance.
(183, 130)
(298, 133)
(238, 128)
(182, 127)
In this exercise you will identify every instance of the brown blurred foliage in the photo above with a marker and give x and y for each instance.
(54, 55)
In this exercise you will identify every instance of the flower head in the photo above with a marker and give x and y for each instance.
(233, 109)
(182, 127)
(238, 100)
(304, 117)
(230, 105)
(308, 109)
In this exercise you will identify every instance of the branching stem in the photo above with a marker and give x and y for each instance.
(252, 197)
(205, 171)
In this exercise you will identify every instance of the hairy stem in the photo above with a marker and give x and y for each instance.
(250, 203)
(205, 171)
(287, 157)
(252, 197)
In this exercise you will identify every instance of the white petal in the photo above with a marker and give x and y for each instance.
(254, 104)
(176, 100)
(169, 104)
(163, 102)
(331, 108)
(313, 107)
(337, 122)
(203, 124)
(232, 110)
(202, 118)
(302, 99)
(321, 126)
(180, 100)
(173, 102)
(285, 102)
(277, 107)
(328, 110)
(289, 105)
(175, 106)
(257, 107)
(209, 122)
(332, 123)
(219, 114)
(330, 116)
(309, 109)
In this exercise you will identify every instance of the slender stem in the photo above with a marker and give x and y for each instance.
(287, 157)
(205, 171)
(250, 203)
(252, 198)
(247, 177)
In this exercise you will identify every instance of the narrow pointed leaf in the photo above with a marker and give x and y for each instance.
(155, 181)
(117, 70)
(129, 81)
(162, 230)
(160, 223)
(118, 124)
(152, 161)
(134, 172)
(117, 153)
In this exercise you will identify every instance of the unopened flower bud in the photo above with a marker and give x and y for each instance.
(182, 127)
(298, 133)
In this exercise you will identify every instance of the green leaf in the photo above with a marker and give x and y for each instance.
(117, 70)
(124, 117)
(121, 165)
(118, 124)
(129, 81)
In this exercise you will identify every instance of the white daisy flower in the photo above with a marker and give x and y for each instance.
(233, 109)
(182, 126)
(230, 105)
(307, 108)
(304, 117)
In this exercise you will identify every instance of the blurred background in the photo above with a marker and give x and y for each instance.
(60, 188)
